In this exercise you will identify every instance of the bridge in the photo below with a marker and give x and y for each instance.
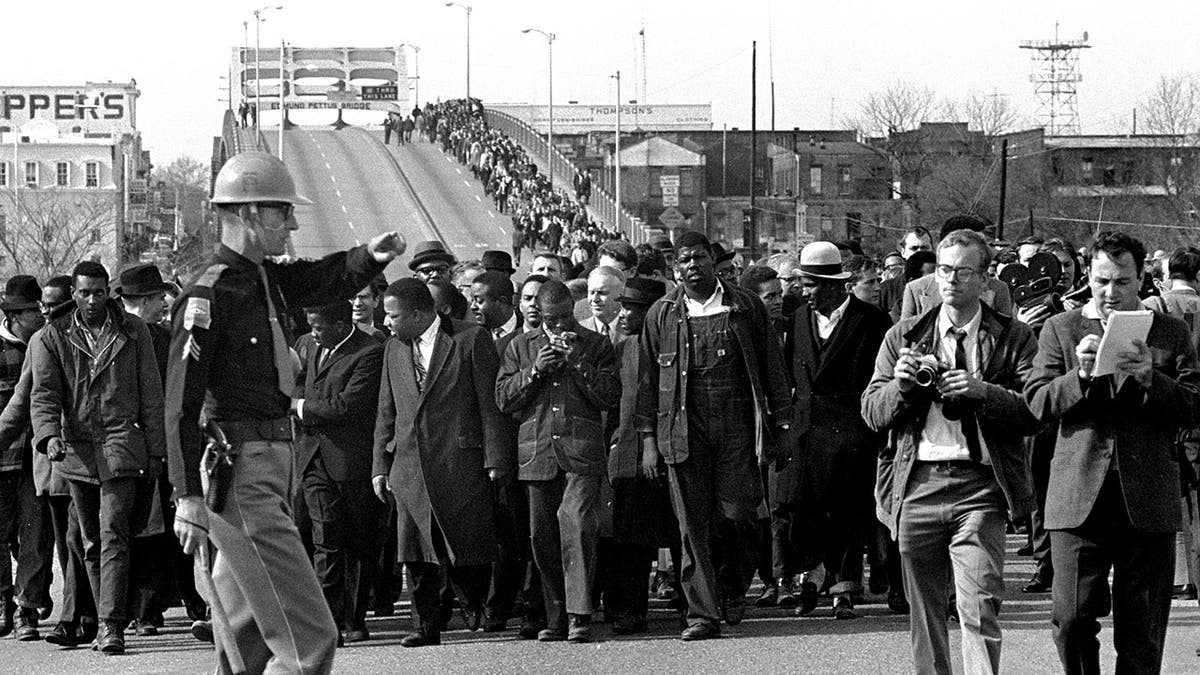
(361, 187)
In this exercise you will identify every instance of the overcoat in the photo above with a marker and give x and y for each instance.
(436, 444)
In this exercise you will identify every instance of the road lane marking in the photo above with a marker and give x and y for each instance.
(478, 199)
(502, 230)
(339, 193)
(491, 214)
(467, 183)
(459, 171)
(350, 224)
(333, 178)
(344, 209)
(327, 166)
(357, 242)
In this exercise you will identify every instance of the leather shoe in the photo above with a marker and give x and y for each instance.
(9, 610)
(769, 596)
(530, 629)
(110, 639)
(628, 624)
(197, 610)
(557, 634)
(45, 612)
(202, 631)
(580, 630)
(897, 602)
(423, 637)
(65, 634)
(1037, 584)
(787, 595)
(144, 628)
(843, 608)
(808, 599)
(700, 631)
(360, 634)
(493, 622)
(1184, 592)
(1025, 551)
(27, 625)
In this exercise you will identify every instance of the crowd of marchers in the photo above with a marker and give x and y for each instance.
(543, 450)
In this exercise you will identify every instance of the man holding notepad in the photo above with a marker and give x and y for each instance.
(1113, 501)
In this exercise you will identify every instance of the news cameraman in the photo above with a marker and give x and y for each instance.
(954, 464)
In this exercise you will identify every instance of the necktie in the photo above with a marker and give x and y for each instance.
(605, 330)
(283, 358)
(970, 426)
(418, 367)
(322, 357)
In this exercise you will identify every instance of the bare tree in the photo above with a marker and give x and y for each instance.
(54, 229)
(901, 107)
(1172, 110)
(993, 114)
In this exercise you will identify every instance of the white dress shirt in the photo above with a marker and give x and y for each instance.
(507, 329)
(423, 344)
(714, 305)
(826, 324)
(942, 440)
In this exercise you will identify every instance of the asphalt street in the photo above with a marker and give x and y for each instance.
(769, 641)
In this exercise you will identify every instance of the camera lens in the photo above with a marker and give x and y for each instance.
(925, 376)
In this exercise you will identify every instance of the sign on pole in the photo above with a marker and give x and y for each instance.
(672, 217)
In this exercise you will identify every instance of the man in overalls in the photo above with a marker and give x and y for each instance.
(713, 400)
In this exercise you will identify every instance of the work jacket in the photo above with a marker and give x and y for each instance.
(108, 412)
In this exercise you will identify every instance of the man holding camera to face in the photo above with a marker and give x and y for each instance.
(947, 387)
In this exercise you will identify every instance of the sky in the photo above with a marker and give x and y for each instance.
(825, 57)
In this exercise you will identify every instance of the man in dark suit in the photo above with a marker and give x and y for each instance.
(337, 392)
(558, 382)
(947, 387)
(822, 501)
(439, 441)
(1113, 500)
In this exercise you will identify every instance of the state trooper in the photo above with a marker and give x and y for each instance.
(230, 355)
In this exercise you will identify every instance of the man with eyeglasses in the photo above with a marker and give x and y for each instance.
(430, 260)
(923, 293)
(230, 356)
(948, 386)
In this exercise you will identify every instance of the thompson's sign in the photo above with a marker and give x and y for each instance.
(94, 107)
(581, 119)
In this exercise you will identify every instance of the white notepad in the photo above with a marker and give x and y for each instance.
(1123, 328)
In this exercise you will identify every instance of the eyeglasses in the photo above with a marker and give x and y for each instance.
(961, 273)
(286, 208)
(430, 270)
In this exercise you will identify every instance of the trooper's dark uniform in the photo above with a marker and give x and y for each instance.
(268, 612)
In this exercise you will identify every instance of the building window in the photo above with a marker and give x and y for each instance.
(96, 236)
(844, 184)
(91, 174)
(1086, 170)
(826, 224)
(687, 188)
(853, 225)
(652, 175)
(3, 174)
(3, 225)
(62, 174)
(31, 174)
(814, 180)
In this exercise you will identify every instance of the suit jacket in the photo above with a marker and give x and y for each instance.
(340, 399)
(560, 413)
(436, 444)
(1134, 427)
(891, 295)
(615, 333)
(921, 294)
(1007, 348)
(625, 450)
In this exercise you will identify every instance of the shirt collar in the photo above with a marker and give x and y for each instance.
(837, 313)
(717, 298)
(345, 339)
(430, 334)
(945, 325)
(508, 327)
(1090, 312)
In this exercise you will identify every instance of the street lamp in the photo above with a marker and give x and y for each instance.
(417, 67)
(549, 136)
(466, 8)
(617, 153)
(258, 66)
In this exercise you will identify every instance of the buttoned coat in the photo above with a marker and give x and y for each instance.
(436, 444)
(560, 415)
(665, 359)
(1135, 427)
(1007, 349)
(828, 382)
(340, 397)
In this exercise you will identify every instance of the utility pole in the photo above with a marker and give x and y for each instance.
(282, 109)
(617, 154)
(1003, 187)
(751, 233)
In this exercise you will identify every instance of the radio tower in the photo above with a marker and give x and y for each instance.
(1054, 77)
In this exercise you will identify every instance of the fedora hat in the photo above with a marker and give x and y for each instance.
(720, 255)
(822, 260)
(497, 261)
(642, 291)
(661, 242)
(141, 280)
(426, 251)
(21, 292)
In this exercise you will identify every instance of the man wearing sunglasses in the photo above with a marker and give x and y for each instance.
(230, 355)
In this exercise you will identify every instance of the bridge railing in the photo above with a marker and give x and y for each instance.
(602, 204)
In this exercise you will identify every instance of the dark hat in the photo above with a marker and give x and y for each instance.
(141, 280)
(642, 291)
(426, 251)
(21, 292)
(497, 261)
(720, 255)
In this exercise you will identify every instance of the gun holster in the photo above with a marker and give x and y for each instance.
(219, 458)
